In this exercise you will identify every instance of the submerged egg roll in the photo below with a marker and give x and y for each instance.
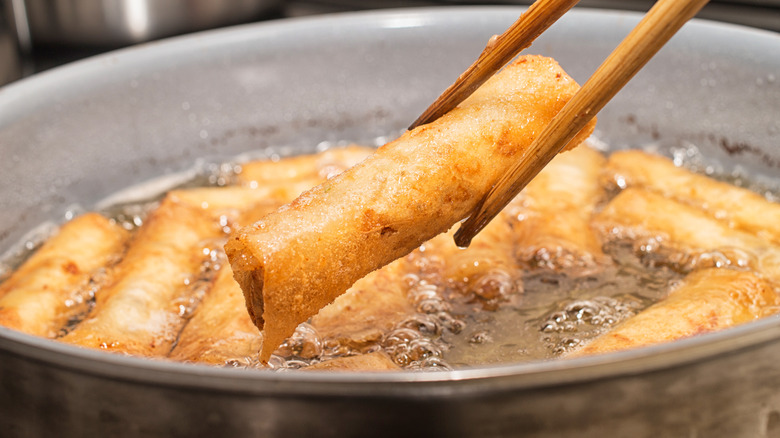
(376, 303)
(220, 331)
(741, 207)
(707, 300)
(637, 213)
(368, 309)
(300, 258)
(321, 165)
(44, 292)
(554, 211)
(218, 199)
(486, 272)
(140, 310)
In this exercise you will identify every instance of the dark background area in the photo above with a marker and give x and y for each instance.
(26, 49)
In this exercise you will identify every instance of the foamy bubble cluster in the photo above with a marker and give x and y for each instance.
(579, 320)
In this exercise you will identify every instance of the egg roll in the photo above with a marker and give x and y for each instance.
(220, 331)
(140, 311)
(50, 287)
(233, 206)
(637, 213)
(554, 211)
(320, 165)
(486, 272)
(741, 208)
(218, 199)
(299, 259)
(367, 310)
(707, 300)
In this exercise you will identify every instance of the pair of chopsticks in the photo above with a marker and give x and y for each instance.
(660, 23)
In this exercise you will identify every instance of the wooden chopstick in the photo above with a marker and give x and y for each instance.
(498, 52)
(663, 20)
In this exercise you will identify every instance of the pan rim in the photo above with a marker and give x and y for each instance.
(445, 383)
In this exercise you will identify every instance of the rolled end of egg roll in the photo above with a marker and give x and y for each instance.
(297, 260)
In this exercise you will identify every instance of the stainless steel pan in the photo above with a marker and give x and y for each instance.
(76, 134)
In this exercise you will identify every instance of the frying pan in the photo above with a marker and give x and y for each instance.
(74, 135)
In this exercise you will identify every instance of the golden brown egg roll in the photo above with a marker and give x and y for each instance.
(377, 361)
(376, 303)
(233, 206)
(48, 288)
(220, 331)
(742, 208)
(367, 310)
(320, 165)
(140, 311)
(297, 260)
(486, 271)
(216, 199)
(554, 211)
(707, 300)
(636, 213)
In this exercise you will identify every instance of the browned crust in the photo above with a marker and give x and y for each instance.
(708, 300)
(312, 250)
(35, 298)
(138, 311)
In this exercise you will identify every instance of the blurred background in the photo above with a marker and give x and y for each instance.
(36, 35)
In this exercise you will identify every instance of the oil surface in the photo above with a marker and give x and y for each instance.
(547, 314)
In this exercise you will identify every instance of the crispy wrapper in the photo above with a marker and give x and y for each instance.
(220, 331)
(322, 165)
(140, 310)
(707, 300)
(219, 199)
(368, 309)
(741, 208)
(637, 213)
(48, 288)
(297, 260)
(554, 212)
(486, 272)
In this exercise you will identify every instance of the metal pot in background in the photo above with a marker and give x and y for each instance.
(11, 46)
(113, 23)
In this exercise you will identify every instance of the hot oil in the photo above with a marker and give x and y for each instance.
(554, 313)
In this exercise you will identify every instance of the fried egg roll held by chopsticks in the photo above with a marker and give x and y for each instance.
(47, 289)
(707, 300)
(297, 260)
